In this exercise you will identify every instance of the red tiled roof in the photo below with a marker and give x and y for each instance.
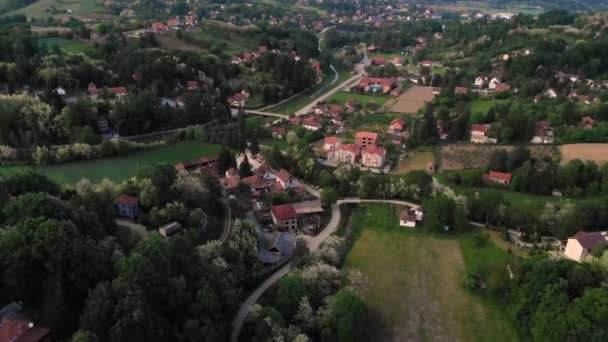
(398, 122)
(541, 128)
(296, 120)
(117, 90)
(377, 150)
(408, 214)
(279, 130)
(591, 239)
(284, 212)
(500, 175)
(159, 26)
(364, 135)
(283, 175)
(230, 182)
(238, 97)
(480, 128)
(254, 181)
(502, 87)
(312, 122)
(332, 140)
(461, 90)
(126, 200)
(352, 148)
(376, 80)
(192, 84)
(262, 170)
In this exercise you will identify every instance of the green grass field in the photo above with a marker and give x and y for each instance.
(416, 290)
(67, 45)
(120, 168)
(481, 107)
(47, 8)
(363, 99)
(231, 43)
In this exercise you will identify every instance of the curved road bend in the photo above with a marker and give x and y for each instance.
(313, 243)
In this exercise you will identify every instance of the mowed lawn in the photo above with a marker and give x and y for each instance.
(67, 45)
(121, 168)
(363, 99)
(416, 160)
(416, 290)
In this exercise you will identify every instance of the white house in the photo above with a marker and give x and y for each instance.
(551, 93)
(579, 246)
(409, 217)
(493, 83)
(286, 180)
(480, 81)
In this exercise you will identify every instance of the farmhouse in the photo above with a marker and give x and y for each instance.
(396, 126)
(284, 217)
(126, 206)
(366, 138)
(579, 246)
(345, 153)
(373, 157)
(479, 134)
(409, 217)
(500, 177)
(543, 133)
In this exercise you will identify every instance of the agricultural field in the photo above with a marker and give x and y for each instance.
(120, 168)
(59, 9)
(67, 45)
(591, 152)
(471, 156)
(415, 160)
(416, 290)
(412, 100)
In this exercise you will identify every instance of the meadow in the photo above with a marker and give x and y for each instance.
(119, 168)
(67, 45)
(416, 290)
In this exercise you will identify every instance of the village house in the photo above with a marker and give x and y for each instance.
(396, 126)
(551, 93)
(579, 246)
(493, 83)
(499, 88)
(278, 132)
(118, 91)
(426, 64)
(159, 28)
(461, 90)
(335, 109)
(330, 143)
(344, 153)
(266, 173)
(378, 61)
(192, 85)
(284, 217)
(237, 100)
(373, 157)
(17, 328)
(409, 217)
(479, 134)
(441, 131)
(295, 120)
(170, 229)
(543, 133)
(256, 183)
(127, 207)
(286, 180)
(397, 61)
(499, 177)
(587, 122)
(376, 84)
(276, 247)
(364, 139)
(229, 183)
(311, 124)
(204, 164)
(480, 81)
(173, 23)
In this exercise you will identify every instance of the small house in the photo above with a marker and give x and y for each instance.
(579, 246)
(285, 180)
(373, 156)
(500, 177)
(396, 126)
(409, 217)
(127, 207)
(170, 229)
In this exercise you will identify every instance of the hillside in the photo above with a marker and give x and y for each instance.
(512, 5)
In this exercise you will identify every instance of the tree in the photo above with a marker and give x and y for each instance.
(291, 291)
(351, 317)
(97, 316)
(329, 196)
(255, 146)
(498, 161)
(245, 168)
(226, 160)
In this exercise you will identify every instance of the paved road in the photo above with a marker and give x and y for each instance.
(136, 228)
(227, 223)
(328, 94)
(313, 243)
(259, 112)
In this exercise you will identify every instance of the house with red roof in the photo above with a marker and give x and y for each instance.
(201, 164)
(237, 100)
(315, 64)
(461, 90)
(262, 48)
(295, 120)
(285, 180)
(426, 64)
(19, 329)
(173, 23)
(579, 246)
(229, 183)
(330, 143)
(500, 177)
(441, 131)
(377, 84)
(159, 28)
(398, 61)
(364, 139)
(192, 85)
(311, 123)
(118, 91)
(335, 109)
(373, 157)
(344, 154)
(396, 126)
(278, 132)
(255, 182)
(479, 134)
(587, 122)
(502, 87)
(378, 61)
(127, 206)
(284, 217)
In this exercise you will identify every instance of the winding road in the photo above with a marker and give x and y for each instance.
(313, 243)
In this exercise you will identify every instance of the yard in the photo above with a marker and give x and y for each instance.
(363, 99)
(121, 168)
(480, 107)
(67, 45)
(416, 290)
(415, 160)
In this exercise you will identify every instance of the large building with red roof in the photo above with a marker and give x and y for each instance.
(284, 217)
(344, 154)
(373, 157)
(376, 84)
(363, 138)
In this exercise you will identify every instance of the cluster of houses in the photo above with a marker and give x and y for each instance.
(378, 85)
(187, 22)
(263, 180)
(364, 151)
(493, 85)
(543, 134)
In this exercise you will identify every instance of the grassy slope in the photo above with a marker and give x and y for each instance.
(79, 7)
(121, 168)
(416, 290)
